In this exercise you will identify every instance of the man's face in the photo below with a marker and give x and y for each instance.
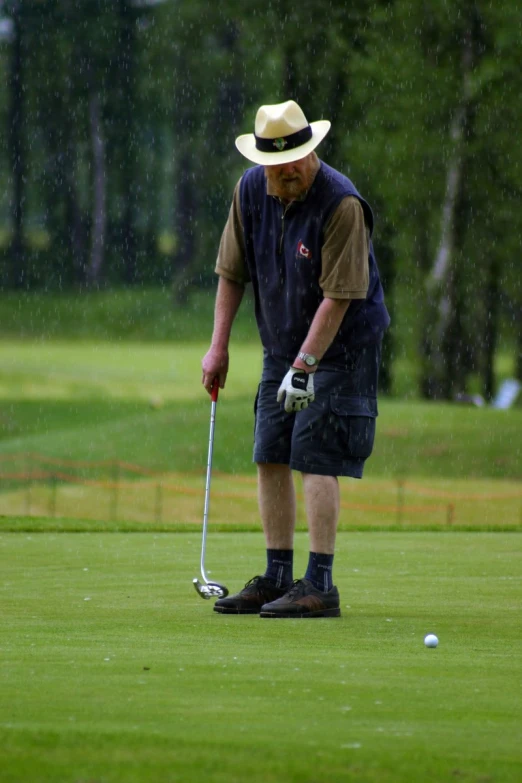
(290, 181)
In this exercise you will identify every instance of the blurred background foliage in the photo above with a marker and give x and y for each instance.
(118, 163)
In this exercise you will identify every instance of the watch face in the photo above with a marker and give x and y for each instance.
(307, 358)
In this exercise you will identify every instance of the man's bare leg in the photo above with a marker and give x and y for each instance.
(315, 595)
(276, 495)
(322, 511)
(277, 508)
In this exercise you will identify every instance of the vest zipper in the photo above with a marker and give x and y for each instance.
(283, 214)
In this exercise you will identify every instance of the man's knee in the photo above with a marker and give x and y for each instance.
(272, 468)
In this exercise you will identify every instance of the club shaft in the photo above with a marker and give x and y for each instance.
(207, 487)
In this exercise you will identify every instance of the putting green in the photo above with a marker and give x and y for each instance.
(114, 670)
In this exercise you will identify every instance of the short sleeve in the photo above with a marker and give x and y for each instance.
(231, 254)
(344, 256)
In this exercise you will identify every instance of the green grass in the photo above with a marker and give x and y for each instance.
(136, 314)
(149, 315)
(143, 403)
(94, 400)
(114, 670)
(413, 439)
(174, 502)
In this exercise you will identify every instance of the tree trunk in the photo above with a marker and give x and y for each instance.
(187, 204)
(127, 73)
(99, 212)
(225, 118)
(74, 220)
(387, 268)
(454, 349)
(443, 341)
(489, 340)
(518, 362)
(332, 145)
(290, 42)
(18, 263)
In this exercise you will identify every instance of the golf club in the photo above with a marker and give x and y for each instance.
(209, 589)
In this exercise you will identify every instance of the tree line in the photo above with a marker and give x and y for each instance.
(118, 156)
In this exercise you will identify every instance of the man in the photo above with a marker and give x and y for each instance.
(299, 232)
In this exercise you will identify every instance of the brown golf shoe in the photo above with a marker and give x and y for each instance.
(304, 600)
(250, 599)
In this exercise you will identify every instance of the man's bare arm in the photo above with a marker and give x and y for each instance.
(324, 327)
(215, 361)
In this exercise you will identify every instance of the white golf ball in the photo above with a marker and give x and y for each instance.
(431, 640)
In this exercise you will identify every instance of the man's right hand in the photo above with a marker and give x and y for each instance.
(214, 365)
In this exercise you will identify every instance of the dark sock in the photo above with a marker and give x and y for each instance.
(279, 566)
(319, 571)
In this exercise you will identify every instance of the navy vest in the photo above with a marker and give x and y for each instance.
(283, 256)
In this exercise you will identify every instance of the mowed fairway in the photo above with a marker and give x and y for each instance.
(143, 404)
(113, 669)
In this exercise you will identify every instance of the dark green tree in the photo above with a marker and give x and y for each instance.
(17, 129)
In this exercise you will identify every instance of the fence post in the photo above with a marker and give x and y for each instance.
(28, 499)
(450, 513)
(29, 474)
(158, 508)
(400, 500)
(52, 502)
(115, 491)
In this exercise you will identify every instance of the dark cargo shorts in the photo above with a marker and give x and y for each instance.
(334, 435)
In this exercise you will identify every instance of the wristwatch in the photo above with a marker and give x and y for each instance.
(308, 359)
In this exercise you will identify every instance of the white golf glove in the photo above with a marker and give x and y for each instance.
(297, 390)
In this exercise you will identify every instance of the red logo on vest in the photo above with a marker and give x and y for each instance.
(303, 251)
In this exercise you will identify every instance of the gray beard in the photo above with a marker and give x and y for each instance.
(291, 190)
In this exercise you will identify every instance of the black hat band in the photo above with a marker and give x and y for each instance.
(284, 143)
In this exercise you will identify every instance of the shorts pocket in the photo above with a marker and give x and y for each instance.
(355, 419)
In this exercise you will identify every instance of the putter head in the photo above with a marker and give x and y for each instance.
(210, 589)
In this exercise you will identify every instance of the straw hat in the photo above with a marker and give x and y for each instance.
(282, 134)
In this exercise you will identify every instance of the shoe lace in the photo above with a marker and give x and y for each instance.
(261, 585)
(252, 582)
(296, 588)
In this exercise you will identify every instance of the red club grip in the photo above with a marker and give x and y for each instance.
(215, 390)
